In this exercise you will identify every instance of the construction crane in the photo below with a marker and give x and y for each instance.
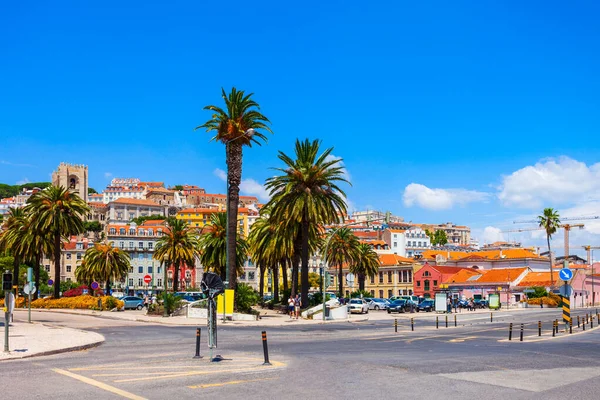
(566, 227)
(589, 249)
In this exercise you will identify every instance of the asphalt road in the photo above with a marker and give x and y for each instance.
(333, 361)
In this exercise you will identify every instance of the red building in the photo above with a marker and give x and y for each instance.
(428, 279)
(187, 278)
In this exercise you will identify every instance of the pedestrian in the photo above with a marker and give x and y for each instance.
(291, 306)
(455, 303)
(146, 302)
(471, 305)
(448, 305)
(297, 305)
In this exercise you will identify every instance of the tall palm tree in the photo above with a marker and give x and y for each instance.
(307, 193)
(366, 264)
(59, 213)
(550, 222)
(11, 238)
(213, 245)
(179, 245)
(238, 125)
(105, 263)
(343, 249)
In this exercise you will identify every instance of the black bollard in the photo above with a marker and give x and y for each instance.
(578, 325)
(491, 317)
(265, 348)
(396, 325)
(455, 321)
(556, 325)
(570, 326)
(510, 331)
(521, 337)
(584, 324)
(446, 321)
(412, 324)
(591, 321)
(198, 333)
(539, 328)
(553, 329)
(437, 322)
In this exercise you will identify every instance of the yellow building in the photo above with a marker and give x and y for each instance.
(200, 217)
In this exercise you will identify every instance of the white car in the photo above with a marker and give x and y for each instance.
(358, 306)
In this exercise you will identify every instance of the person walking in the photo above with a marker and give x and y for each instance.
(146, 302)
(448, 305)
(297, 305)
(291, 306)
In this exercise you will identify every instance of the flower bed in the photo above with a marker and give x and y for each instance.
(80, 303)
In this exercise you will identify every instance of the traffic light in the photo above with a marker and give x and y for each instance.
(7, 281)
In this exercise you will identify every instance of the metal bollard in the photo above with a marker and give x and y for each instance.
(455, 321)
(412, 324)
(539, 328)
(198, 333)
(265, 348)
(584, 324)
(510, 331)
(578, 325)
(396, 325)
(446, 321)
(553, 329)
(491, 317)
(570, 326)
(437, 322)
(591, 321)
(556, 325)
(521, 337)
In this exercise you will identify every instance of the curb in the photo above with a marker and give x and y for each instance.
(57, 351)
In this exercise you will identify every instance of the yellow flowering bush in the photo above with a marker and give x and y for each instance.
(84, 302)
(19, 303)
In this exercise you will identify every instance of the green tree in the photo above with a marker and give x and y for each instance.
(213, 245)
(343, 249)
(11, 238)
(239, 124)
(307, 193)
(179, 246)
(104, 263)
(550, 222)
(177, 187)
(141, 219)
(366, 264)
(91, 190)
(59, 213)
(35, 244)
(441, 238)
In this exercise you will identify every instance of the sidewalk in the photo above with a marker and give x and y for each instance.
(28, 340)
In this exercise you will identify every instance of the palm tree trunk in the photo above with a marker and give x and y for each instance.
(57, 265)
(176, 277)
(304, 270)
(275, 283)
(296, 263)
(551, 261)
(36, 272)
(107, 287)
(261, 280)
(16, 264)
(361, 282)
(234, 176)
(340, 281)
(284, 275)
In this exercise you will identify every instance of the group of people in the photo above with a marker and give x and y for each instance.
(294, 305)
(148, 300)
(455, 303)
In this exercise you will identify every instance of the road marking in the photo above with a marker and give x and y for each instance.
(209, 385)
(99, 385)
(458, 340)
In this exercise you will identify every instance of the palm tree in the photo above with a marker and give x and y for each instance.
(550, 222)
(213, 245)
(11, 238)
(179, 245)
(238, 125)
(307, 193)
(366, 264)
(35, 244)
(343, 249)
(105, 263)
(57, 212)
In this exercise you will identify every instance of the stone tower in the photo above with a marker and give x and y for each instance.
(73, 177)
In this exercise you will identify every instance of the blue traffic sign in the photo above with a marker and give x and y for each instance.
(50, 282)
(565, 274)
(95, 285)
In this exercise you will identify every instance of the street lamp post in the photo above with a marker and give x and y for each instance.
(593, 292)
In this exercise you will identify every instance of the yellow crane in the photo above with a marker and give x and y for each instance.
(589, 249)
(566, 227)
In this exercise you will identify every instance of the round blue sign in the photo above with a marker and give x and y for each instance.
(94, 285)
(565, 274)
(50, 282)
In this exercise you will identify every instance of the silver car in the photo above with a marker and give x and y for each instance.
(378, 304)
(358, 306)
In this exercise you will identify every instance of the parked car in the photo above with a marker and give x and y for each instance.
(398, 306)
(132, 302)
(480, 303)
(426, 305)
(358, 305)
(378, 304)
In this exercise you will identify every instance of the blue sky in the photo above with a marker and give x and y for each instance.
(471, 112)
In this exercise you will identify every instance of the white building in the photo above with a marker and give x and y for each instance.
(407, 242)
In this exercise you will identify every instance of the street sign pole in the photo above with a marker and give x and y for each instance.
(29, 279)
(6, 320)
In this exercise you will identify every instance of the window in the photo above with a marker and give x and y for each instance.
(131, 231)
(390, 280)
(79, 256)
(150, 232)
(140, 282)
(395, 236)
(372, 279)
(120, 216)
(150, 245)
(140, 256)
(381, 293)
(419, 244)
(395, 244)
(426, 273)
(131, 245)
(372, 293)
(140, 269)
(47, 268)
(68, 256)
(159, 282)
(130, 282)
(131, 215)
(250, 276)
(79, 246)
(434, 283)
(141, 245)
(410, 291)
(390, 293)
(243, 277)
(381, 277)
(158, 270)
(122, 231)
(112, 231)
(68, 268)
(131, 270)
(418, 283)
(150, 270)
(426, 285)
(68, 279)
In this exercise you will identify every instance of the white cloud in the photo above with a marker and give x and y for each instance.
(345, 173)
(107, 175)
(23, 181)
(248, 187)
(492, 234)
(219, 173)
(551, 182)
(440, 199)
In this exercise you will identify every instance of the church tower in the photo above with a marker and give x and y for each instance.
(73, 177)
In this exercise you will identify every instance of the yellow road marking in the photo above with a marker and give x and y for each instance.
(209, 385)
(274, 365)
(99, 385)
(457, 340)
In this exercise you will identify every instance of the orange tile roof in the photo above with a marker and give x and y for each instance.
(501, 275)
(95, 204)
(394, 259)
(450, 255)
(447, 269)
(137, 202)
(538, 279)
(463, 275)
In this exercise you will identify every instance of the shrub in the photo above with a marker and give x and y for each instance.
(547, 301)
(78, 291)
(79, 302)
(246, 297)
(358, 293)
